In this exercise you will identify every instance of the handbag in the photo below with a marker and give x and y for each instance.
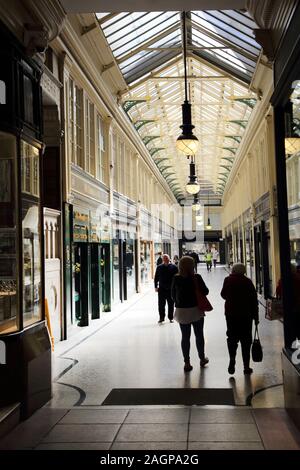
(274, 309)
(202, 301)
(256, 350)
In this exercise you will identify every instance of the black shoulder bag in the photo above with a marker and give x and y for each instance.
(256, 350)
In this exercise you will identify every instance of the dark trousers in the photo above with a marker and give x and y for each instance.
(164, 295)
(186, 336)
(238, 331)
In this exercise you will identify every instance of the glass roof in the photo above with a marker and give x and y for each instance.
(141, 41)
(222, 56)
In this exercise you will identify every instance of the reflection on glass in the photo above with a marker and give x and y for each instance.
(145, 262)
(116, 279)
(292, 147)
(130, 267)
(32, 310)
(9, 320)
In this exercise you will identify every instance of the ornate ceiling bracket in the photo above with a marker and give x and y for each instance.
(265, 39)
(268, 15)
(47, 22)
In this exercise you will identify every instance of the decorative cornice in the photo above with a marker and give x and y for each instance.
(47, 21)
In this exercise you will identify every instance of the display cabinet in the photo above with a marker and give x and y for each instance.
(9, 318)
(25, 359)
(26, 375)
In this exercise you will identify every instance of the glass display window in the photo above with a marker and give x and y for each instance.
(292, 156)
(9, 316)
(31, 234)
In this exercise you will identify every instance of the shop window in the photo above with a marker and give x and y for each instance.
(72, 121)
(115, 163)
(100, 149)
(90, 138)
(2, 92)
(79, 128)
(9, 317)
(31, 242)
(76, 124)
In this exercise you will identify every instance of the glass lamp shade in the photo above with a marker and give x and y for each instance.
(187, 144)
(192, 187)
(208, 226)
(292, 145)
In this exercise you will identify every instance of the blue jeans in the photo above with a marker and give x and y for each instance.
(186, 335)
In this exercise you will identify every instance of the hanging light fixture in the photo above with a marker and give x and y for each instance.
(196, 204)
(192, 187)
(208, 226)
(187, 142)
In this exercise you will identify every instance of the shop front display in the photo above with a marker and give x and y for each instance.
(95, 292)
(130, 264)
(285, 101)
(116, 270)
(31, 234)
(9, 315)
(105, 265)
(81, 266)
(145, 261)
(25, 375)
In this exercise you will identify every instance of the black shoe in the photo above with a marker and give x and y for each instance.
(204, 361)
(187, 367)
(231, 367)
(172, 321)
(160, 321)
(248, 371)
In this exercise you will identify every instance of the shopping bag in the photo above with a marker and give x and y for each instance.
(256, 350)
(202, 301)
(274, 309)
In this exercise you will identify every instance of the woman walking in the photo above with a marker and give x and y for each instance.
(241, 308)
(187, 313)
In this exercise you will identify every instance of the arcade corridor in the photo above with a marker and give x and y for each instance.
(133, 351)
(130, 350)
(129, 140)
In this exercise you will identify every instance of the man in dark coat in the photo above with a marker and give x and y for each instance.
(196, 259)
(162, 282)
(159, 259)
(241, 308)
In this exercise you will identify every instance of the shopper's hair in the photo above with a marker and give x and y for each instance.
(238, 268)
(186, 266)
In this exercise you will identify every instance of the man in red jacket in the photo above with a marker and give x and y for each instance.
(241, 308)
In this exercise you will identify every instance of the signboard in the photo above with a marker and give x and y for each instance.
(105, 230)
(95, 230)
(80, 225)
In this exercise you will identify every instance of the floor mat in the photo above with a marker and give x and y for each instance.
(170, 396)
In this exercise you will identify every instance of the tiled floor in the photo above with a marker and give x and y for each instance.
(169, 428)
(127, 348)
